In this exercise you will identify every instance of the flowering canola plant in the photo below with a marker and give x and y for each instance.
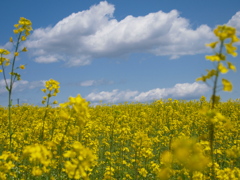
(226, 38)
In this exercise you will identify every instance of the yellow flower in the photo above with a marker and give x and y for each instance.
(231, 66)
(231, 49)
(22, 67)
(51, 89)
(227, 85)
(16, 54)
(203, 78)
(212, 45)
(44, 90)
(11, 39)
(189, 153)
(24, 25)
(4, 52)
(143, 172)
(80, 161)
(24, 21)
(234, 39)
(16, 25)
(36, 171)
(223, 32)
(216, 57)
(167, 158)
(23, 38)
(222, 68)
(24, 49)
(15, 31)
(38, 153)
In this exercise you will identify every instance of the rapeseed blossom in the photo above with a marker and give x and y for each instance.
(223, 34)
(80, 163)
(51, 89)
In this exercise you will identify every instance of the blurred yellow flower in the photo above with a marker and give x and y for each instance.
(143, 172)
(23, 38)
(4, 52)
(222, 68)
(231, 66)
(213, 44)
(24, 49)
(227, 85)
(22, 67)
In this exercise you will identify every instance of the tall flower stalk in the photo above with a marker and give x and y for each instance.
(51, 89)
(226, 38)
(23, 29)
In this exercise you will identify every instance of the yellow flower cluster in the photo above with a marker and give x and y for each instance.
(39, 157)
(4, 61)
(76, 108)
(81, 159)
(24, 25)
(7, 162)
(51, 89)
(223, 33)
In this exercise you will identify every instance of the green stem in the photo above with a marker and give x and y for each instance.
(212, 125)
(44, 117)
(10, 88)
(216, 78)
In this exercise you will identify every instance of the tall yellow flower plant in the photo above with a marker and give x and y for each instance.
(22, 29)
(226, 38)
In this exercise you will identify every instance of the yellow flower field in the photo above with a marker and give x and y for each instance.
(162, 140)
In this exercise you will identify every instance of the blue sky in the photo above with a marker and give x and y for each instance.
(118, 50)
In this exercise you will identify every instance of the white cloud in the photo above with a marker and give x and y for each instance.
(87, 83)
(95, 82)
(112, 97)
(94, 33)
(22, 85)
(235, 22)
(179, 91)
(36, 84)
(46, 59)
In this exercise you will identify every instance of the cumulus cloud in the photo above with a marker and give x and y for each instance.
(95, 33)
(235, 22)
(179, 91)
(22, 85)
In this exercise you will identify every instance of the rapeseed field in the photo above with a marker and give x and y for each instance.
(166, 139)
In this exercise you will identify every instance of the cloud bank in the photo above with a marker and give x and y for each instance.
(95, 33)
(179, 91)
